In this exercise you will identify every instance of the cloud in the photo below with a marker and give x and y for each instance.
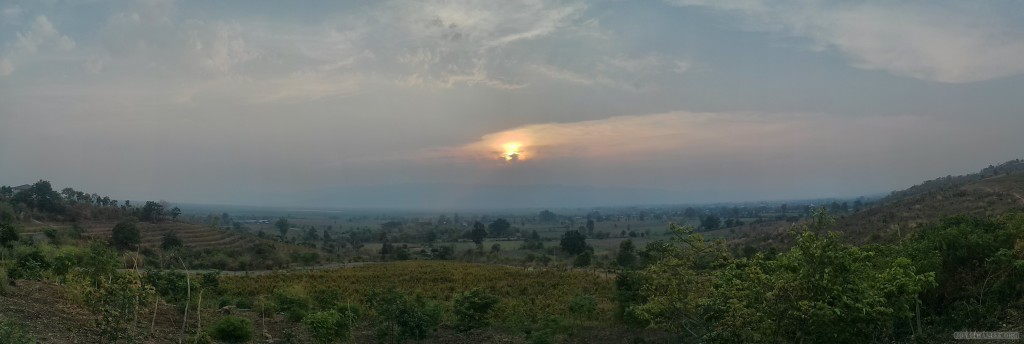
(6, 67)
(936, 41)
(42, 33)
(446, 43)
(674, 134)
(11, 12)
(622, 72)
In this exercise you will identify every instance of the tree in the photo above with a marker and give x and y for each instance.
(152, 211)
(499, 227)
(282, 226)
(820, 291)
(574, 242)
(547, 216)
(690, 213)
(590, 227)
(125, 235)
(8, 235)
(174, 212)
(626, 257)
(40, 196)
(479, 233)
(6, 191)
(711, 222)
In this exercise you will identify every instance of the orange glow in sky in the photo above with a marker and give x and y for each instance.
(513, 151)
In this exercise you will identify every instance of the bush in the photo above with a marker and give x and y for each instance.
(471, 309)
(210, 281)
(11, 333)
(125, 235)
(8, 235)
(583, 305)
(328, 326)
(30, 265)
(325, 299)
(400, 317)
(232, 329)
(171, 285)
(171, 241)
(547, 329)
(293, 302)
(117, 300)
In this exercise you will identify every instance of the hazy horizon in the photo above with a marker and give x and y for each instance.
(461, 104)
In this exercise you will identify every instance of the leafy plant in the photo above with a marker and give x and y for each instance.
(232, 329)
(119, 301)
(471, 309)
(328, 326)
(400, 317)
(292, 301)
(583, 306)
(11, 333)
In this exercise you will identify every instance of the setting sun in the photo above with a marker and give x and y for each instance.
(512, 152)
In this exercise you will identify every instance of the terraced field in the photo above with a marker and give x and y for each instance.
(194, 236)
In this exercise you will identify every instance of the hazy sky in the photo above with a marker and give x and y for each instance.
(334, 102)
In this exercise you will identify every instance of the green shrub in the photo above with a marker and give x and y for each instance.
(293, 302)
(8, 235)
(117, 300)
(471, 309)
(125, 235)
(11, 333)
(30, 265)
(547, 329)
(325, 299)
(171, 285)
(328, 326)
(400, 317)
(210, 281)
(583, 306)
(232, 329)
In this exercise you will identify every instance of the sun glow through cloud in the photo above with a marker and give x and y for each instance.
(513, 151)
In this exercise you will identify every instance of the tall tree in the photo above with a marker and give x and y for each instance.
(547, 216)
(478, 233)
(499, 227)
(574, 242)
(626, 257)
(152, 211)
(282, 226)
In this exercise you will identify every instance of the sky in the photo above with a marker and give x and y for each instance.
(536, 103)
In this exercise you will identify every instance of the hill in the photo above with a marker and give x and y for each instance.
(992, 191)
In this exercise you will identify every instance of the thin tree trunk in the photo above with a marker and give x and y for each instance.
(188, 281)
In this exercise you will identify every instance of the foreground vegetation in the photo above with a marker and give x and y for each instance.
(957, 273)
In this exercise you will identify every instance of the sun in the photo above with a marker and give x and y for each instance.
(513, 151)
